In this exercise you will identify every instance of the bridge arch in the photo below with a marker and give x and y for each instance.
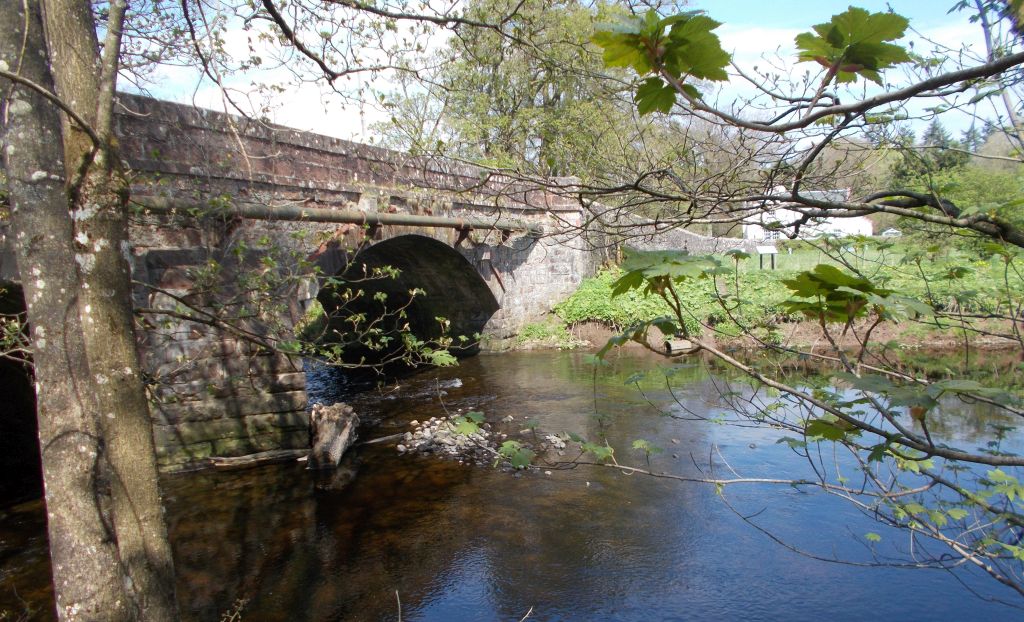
(451, 288)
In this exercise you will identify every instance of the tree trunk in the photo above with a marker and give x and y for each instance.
(333, 430)
(88, 581)
(101, 234)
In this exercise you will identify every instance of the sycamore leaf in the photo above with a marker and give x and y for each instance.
(692, 91)
(651, 267)
(465, 427)
(600, 452)
(855, 43)
(914, 508)
(441, 358)
(878, 452)
(828, 430)
(836, 295)
(654, 95)
(911, 395)
(516, 454)
(693, 50)
(522, 458)
(681, 46)
(792, 442)
(623, 45)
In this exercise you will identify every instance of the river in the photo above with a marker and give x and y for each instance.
(415, 537)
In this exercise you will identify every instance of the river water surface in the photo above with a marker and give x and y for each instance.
(414, 537)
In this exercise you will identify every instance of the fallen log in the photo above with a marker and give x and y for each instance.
(383, 439)
(257, 459)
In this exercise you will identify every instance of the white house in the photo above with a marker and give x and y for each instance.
(776, 221)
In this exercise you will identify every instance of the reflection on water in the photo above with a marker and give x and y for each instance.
(467, 543)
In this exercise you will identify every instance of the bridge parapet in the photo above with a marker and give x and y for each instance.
(194, 150)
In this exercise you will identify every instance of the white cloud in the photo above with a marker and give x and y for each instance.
(773, 50)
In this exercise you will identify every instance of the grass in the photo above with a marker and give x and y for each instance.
(551, 333)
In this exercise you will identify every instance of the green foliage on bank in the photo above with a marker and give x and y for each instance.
(759, 306)
(552, 332)
(742, 296)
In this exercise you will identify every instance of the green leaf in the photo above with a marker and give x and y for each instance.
(635, 378)
(855, 43)
(682, 46)
(913, 395)
(828, 430)
(957, 513)
(623, 45)
(692, 92)
(878, 452)
(866, 382)
(646, 447)
(792, 442)
(441, 358)
(835, 294)
(519, 456)
(465, 426)
(872, 537)
(600, 452)
(693, 50)
(654, 96)
(522, 458)
(913, 508)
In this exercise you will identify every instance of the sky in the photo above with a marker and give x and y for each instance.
(750, 30)
(803, 13)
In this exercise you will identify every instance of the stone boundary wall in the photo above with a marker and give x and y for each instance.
(647, 238)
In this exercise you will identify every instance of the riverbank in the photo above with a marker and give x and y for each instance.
(807, 336)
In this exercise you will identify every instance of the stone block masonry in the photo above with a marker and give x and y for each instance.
(217, 393)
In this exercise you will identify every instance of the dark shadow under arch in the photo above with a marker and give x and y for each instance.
(19, 433)
(453, 290)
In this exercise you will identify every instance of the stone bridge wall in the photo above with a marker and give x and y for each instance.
(218, 394)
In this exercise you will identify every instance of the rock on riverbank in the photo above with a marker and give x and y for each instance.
(441, 436)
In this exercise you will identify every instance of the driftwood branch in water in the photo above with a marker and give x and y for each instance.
(257, 459)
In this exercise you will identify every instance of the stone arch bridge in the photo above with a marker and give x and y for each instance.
(220, 197)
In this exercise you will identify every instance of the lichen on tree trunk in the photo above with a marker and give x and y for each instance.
(109, 547)
(86, 568)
